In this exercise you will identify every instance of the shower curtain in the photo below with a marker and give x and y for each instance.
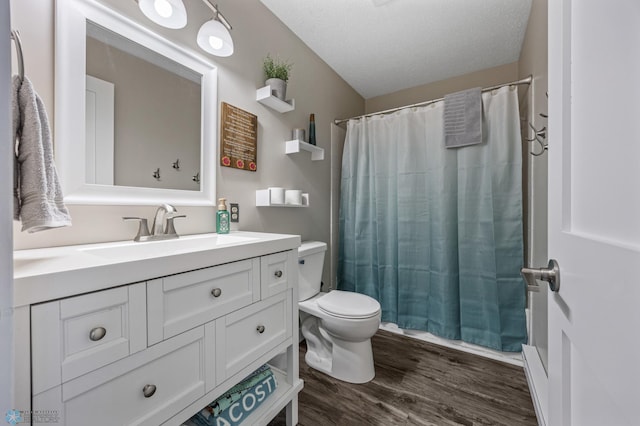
(435, 234)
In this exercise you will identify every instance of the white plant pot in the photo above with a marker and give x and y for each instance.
(278, 88)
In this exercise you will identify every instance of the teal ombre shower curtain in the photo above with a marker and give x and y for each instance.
(435, 234)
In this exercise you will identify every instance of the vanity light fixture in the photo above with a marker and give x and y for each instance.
(168, 13)
(213, 37)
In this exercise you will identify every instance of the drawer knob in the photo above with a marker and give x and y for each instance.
(97, 333)
(260, 329)
(278, 273)
(149, 390)
(216, 292)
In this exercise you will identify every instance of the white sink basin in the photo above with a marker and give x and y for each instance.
(144, 250)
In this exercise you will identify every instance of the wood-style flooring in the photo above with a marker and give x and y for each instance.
(417, 383)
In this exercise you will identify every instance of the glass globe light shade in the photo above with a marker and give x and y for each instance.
(168, 13)
(214, 38)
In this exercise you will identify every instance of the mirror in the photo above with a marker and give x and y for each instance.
(135, 113)
(142, 116)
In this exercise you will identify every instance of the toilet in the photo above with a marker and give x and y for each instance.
(338, 325)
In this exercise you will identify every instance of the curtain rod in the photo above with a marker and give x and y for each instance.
(526, 80)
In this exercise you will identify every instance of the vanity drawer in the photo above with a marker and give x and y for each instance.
(74, 336)
(276, 273)
(172, 374)
(245, 335)
(180, 302)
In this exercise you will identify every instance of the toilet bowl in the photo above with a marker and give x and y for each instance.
(338, 325)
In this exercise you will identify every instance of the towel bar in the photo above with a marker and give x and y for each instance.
(15, 36)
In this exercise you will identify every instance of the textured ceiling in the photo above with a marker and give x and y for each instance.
(382, 46)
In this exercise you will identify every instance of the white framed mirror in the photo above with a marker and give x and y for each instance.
(111, 146)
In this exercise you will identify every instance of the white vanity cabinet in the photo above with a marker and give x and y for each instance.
(144, 389)
(158, 351)
(73, 336)
(183, 301)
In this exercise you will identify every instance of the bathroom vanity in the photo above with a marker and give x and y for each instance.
(150, 333)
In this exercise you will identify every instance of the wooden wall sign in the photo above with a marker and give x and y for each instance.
(239, 138)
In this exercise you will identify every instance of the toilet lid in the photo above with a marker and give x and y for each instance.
(348, 304)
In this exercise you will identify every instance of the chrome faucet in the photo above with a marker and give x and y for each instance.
(162, 227)
(163, 211)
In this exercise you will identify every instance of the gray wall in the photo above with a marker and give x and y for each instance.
(256, 32)
(533, 61)
(483, 78)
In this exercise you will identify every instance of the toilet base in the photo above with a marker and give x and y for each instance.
(348, 361)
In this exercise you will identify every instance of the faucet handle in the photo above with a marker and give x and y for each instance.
(143, 229)
(170, 228)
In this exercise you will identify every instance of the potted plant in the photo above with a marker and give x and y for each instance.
(277, 72)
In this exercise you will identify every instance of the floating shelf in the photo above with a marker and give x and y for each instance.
(265, 97)
(294, 146)
(263, 200)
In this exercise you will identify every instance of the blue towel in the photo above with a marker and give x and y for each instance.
(231, 408)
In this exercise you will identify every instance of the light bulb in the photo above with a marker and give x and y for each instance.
(163, 7)
(168, 13)
(214, 38)
(216, 42)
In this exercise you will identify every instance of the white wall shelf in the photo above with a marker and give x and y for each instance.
(263, 200)
(265, 97)
(294, 146)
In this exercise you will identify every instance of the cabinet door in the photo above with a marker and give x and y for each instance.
(278, 272)
(144, 389)
(245, 335)
(73, 336)
(180, 302)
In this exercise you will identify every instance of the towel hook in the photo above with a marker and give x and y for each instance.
(539, 135)
(15, 36)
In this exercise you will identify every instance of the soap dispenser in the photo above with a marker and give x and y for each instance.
(222, 218)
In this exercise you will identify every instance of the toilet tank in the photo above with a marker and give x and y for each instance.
(310, 262)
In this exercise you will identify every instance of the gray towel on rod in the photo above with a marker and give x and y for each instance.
(463, 118)
(39, 194)
(15, 109)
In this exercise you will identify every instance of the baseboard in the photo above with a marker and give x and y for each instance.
(513, 358)
(538, 382)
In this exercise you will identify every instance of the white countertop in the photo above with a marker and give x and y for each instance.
(56, 272)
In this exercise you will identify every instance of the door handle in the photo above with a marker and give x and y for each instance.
(550, 274)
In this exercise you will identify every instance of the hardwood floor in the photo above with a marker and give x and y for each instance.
(417, 383)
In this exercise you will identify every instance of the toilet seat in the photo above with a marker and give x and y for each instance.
(347, 304)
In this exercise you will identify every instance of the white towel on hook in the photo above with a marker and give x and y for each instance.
(463, 118)
(39, 196)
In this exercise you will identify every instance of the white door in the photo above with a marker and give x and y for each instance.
(99, 131)
(594, 212)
